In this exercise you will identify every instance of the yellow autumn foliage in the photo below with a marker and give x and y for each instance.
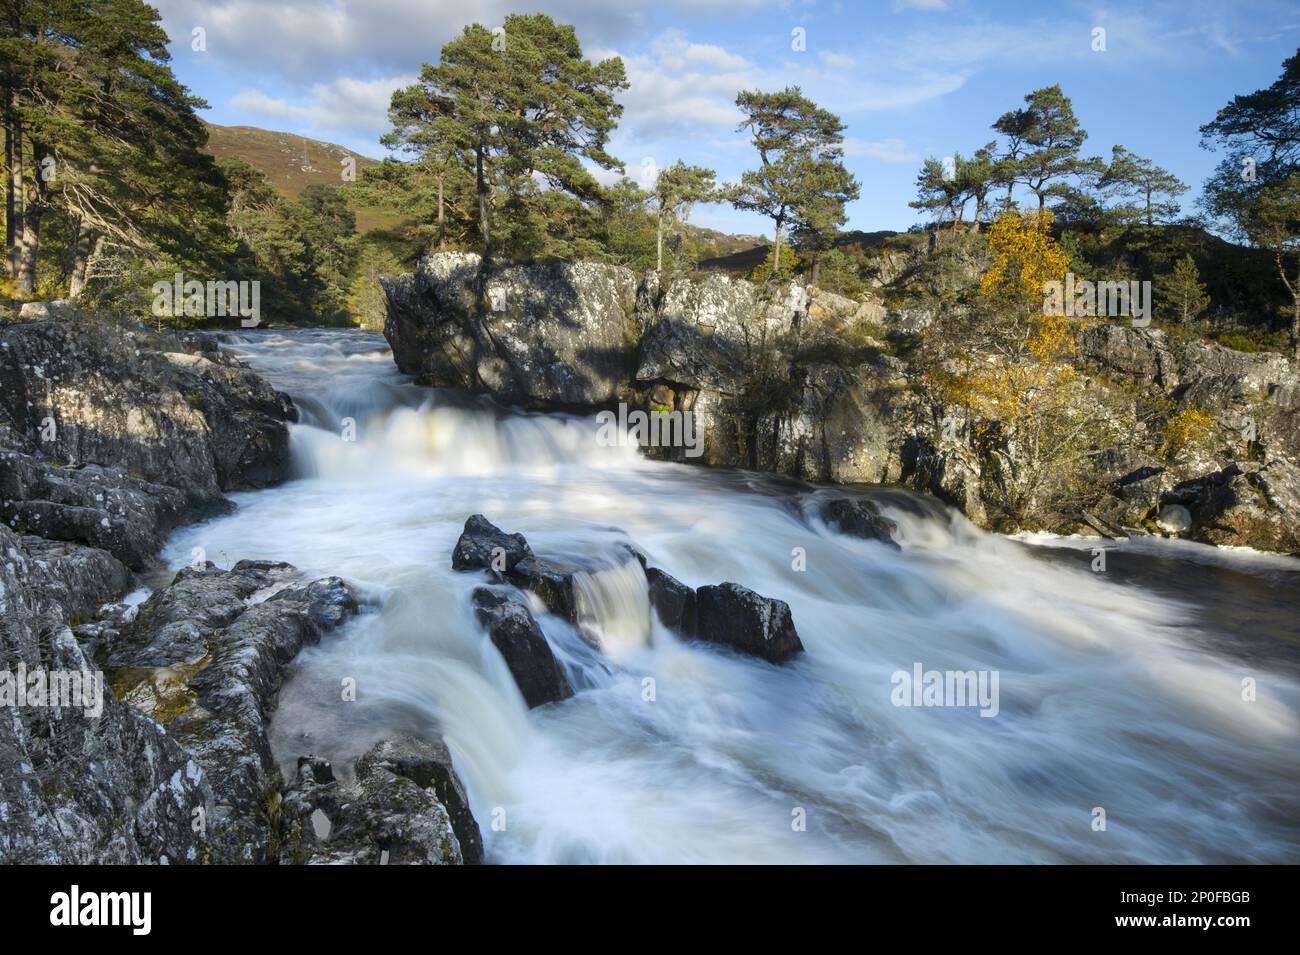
(1029, 369)
(1188, 427)
(1025, 258)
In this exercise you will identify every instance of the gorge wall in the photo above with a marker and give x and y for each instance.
(111, 436)
(802, 382)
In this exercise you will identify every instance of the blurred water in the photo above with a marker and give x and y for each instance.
(1116, 692)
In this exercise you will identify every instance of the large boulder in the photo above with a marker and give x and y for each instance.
(727, 614)
(736, 617)
(108, 440)
(553, 334)
(405, 807)
(1257, 508)
(516, 635)
(484, 546)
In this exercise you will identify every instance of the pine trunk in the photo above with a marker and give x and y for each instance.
(484, 220)
(33, 212)
(442, 230)
(659, 243)
(776, 253)
(13, 193)
(84, 246)
(10, 207)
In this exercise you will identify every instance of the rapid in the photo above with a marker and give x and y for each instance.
(1120, 691)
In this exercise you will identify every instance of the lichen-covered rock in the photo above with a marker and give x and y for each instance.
(109, 441)
(1139, 355)
(206, 658)
(79, 786)
(405, 807)
(550, 334)
(98, 506)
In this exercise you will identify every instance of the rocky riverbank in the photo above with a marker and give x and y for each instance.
(111, 436)
(823, 388)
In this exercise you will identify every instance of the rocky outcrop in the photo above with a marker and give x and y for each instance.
(793, 380)
(206, 658)
(111, 435)
(545, 335)
(91, 783)
(406, 807)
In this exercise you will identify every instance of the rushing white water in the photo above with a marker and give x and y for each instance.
(1114, 693)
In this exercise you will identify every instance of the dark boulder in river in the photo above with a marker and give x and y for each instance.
(483, 545)
(515, 633)
(673, 601)
(859, 517)
(736, 617)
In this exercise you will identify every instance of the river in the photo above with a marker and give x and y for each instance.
(1120, 692)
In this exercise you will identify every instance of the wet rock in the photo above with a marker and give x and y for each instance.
(551, 581)
(859, 517)
(428, 765)
(483, 545)
(206, 657)
(737, 617)
(516, 635)
(673, 601)
(393, 813)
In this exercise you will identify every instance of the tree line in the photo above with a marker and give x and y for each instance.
(504, 142)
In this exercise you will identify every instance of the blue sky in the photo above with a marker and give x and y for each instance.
(910, 78)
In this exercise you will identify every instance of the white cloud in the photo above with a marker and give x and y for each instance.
(838, 60)
(343, 105)
(882, 150)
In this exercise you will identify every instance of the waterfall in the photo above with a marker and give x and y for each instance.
(1120, 691)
